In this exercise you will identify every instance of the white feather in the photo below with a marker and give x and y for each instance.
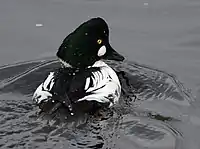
(87, 83)
(65, 63)
(105, 85)
(41, 95)
(49, 81)
(102, 51)
(42, 92)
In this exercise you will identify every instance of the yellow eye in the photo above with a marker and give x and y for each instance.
(99, 41)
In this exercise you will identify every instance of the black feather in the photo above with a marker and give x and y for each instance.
(72, 82)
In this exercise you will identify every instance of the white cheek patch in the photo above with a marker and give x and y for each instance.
(102, 51)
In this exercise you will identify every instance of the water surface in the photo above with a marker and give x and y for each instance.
(164, 35)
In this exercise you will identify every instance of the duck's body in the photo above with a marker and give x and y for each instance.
(84, 76)
(98, 83)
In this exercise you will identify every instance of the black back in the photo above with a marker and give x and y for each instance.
(72, 82)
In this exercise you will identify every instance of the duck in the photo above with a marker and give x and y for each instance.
(84, 76)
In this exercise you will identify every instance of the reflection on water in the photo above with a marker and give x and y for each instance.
(154, 112)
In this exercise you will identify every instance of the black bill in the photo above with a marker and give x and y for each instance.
(111, 54)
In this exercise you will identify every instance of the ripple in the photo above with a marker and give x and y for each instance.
(149, 133)
(150, 107)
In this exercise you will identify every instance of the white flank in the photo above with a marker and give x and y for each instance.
(42, 92)
(41, 95)
(87, 83)
(48, 81)
(105, 85)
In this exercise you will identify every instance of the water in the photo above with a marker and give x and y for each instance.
(164, 35)
(158, 117)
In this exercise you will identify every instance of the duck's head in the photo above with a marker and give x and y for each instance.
(88, 44)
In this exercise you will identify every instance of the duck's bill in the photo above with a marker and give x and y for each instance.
(112, 54)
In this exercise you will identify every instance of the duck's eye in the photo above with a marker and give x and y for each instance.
(99, 41)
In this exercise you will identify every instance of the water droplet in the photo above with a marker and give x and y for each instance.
(53, 101)
(72, 113)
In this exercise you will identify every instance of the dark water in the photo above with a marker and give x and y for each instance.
(161, 116)
(163, 34)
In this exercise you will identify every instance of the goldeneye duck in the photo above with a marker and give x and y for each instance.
(83, 77)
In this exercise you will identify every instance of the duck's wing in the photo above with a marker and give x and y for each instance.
(43, 92)
(61, 86)
(92, 84)
(102, 86)
(79, 83)
(95, 84)
(47, 99)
